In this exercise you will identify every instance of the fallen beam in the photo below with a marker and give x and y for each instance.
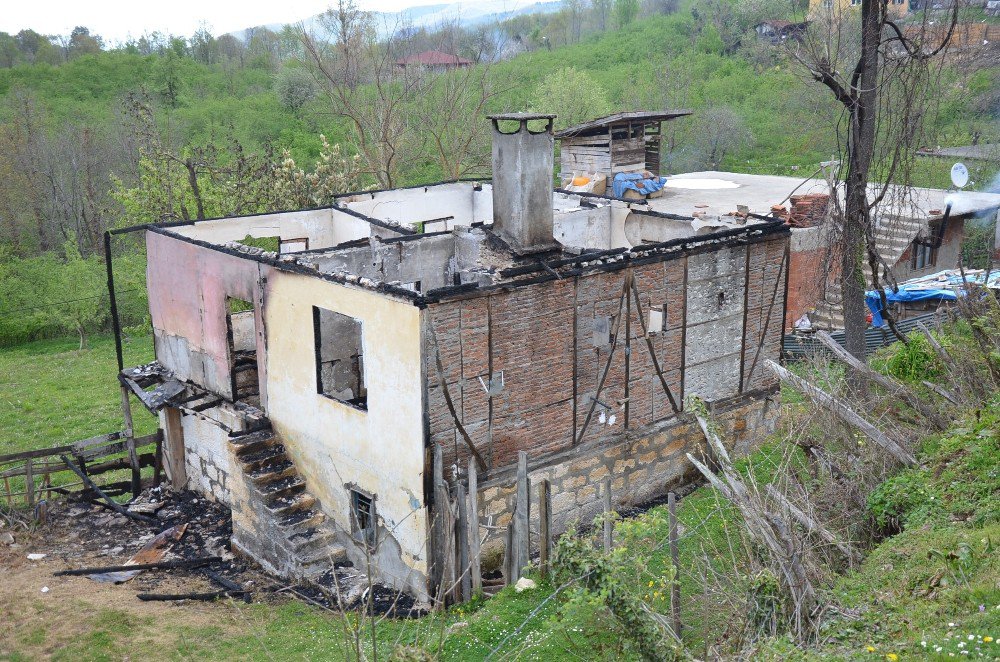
(162, 565)
(207, 597)
(111, 503)
(845, 413)
(888, 383)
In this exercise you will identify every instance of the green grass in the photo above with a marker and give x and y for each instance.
(52, 394)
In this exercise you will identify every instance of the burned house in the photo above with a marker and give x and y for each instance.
(308, 387)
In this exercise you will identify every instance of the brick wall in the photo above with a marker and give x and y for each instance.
(551, 374)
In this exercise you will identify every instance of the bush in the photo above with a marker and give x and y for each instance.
(914, 361)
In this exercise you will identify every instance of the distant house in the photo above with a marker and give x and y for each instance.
(433, 60)
(778, 32)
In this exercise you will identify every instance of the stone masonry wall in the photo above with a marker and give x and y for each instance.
(208, 458)
(641, 469)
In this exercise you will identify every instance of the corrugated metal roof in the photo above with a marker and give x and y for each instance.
(627, 116)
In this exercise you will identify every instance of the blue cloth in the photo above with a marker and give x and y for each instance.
(941, 286)
(634, 181)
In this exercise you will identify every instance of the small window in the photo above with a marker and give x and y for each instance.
(340, 362)
(363, 517)
(413, 287)
(922, 255)
(293, 245)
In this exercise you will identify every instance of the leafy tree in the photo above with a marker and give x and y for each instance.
(625, 12)
(295, 87)
(573, 95)
(81, 42)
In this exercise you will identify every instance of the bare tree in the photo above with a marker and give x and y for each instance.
(367, 87)
(883, 77)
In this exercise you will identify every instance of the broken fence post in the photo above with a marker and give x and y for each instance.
(520, 539)
(544, 523)
(133, 457)
(848, 415)
(29, 483)
(608, 527)
(675, 585)
(463, 542)
(475, 562)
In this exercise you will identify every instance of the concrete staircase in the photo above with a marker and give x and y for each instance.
(277, 521)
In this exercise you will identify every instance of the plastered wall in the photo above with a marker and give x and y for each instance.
(188, 285)
(322, 227)
(334, 445)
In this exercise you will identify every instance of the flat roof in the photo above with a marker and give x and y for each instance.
(718, 193)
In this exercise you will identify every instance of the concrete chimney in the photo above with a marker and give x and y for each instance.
(522, 183)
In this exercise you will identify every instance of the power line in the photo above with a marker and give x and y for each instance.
(60, 303)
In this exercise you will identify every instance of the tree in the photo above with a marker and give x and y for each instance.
(882, 77)
(720, 131)
(625, 12)
(168, 78)
(573, 95)
(384, 132)
(81, 42)
(295, 87)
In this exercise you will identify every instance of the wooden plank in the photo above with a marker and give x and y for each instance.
(675, 585)
(544, 526)
(608, 524)
(79, 446)
(520, 534)
(173, 448)
(41, 452)
(130, 443)
(463, 542)
(29, 483)
(475, 561)
(114, 506)
(437, 524)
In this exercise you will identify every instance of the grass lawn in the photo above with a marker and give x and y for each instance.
(51, 393)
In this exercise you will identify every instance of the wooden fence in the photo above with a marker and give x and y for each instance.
(28, 476)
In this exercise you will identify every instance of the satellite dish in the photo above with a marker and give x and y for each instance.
(959, 175)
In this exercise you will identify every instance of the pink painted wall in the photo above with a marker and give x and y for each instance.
(188, 285)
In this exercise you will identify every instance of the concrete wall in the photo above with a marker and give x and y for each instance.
(188, 286)
(641, 469)
(334, 445)
(322, 227)
(409, 206)
(429, 260)
(542, 337)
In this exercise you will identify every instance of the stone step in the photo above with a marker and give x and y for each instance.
(271, 451)
(290, 504)
(300, 524)
(275, 462)
(292, 516)
(267, 475)
(278, 485)
(253, 446)
(285, 496)
(324, 559)
(252, 437)
(320, 540)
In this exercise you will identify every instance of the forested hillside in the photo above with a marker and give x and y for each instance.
(165, 128)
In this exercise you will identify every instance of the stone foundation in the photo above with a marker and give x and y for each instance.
(641, 468)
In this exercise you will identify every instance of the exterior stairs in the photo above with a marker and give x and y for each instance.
(276, 521)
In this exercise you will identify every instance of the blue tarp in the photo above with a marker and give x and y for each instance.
(941, 286)
(634, 181)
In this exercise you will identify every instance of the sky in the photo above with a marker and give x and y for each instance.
(117, 20)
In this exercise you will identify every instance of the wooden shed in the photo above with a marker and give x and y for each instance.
(623, 142)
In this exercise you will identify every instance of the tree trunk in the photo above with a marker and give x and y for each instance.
(861, 145)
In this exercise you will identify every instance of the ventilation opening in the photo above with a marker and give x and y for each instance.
(363, 517)
(340, 363)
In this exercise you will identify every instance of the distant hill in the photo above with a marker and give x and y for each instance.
(468, 14)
